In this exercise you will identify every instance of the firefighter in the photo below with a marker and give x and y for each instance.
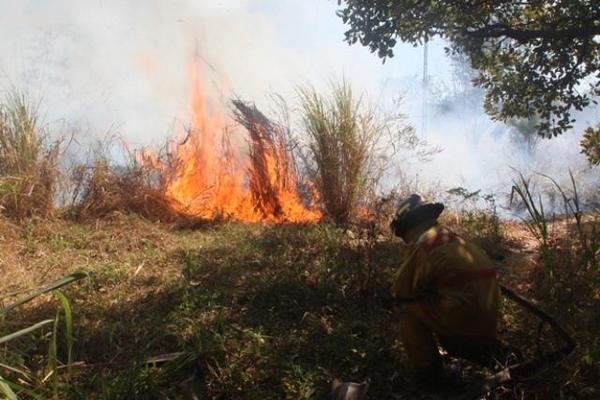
(449, 289)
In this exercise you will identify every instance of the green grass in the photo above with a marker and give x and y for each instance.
(264, 311)
(23, 381)
(272, 311)
(343, 134)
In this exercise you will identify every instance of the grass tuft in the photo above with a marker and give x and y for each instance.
(136, 185)
(28, 160)
(343, 135)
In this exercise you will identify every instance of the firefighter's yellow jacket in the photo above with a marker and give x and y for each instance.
(459, 293)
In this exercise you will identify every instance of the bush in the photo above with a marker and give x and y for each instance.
(343, 136)
(137, 185)
(475, 215)
(28, 160)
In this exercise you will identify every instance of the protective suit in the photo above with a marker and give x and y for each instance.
(458, 296)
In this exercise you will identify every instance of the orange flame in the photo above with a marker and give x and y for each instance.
(213, 178)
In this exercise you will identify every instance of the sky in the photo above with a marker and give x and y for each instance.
(120, 66)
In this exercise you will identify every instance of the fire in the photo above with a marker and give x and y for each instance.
(214, 177)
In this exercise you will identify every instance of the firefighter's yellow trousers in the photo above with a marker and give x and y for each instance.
(418, 333)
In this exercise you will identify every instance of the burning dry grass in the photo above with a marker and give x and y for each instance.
(28, 160)
(220, 173)
(201, 178)
(273, 178)
(216, 173)
(102, 188)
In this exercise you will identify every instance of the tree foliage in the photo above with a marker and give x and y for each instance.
(535, 58)
(590, 145)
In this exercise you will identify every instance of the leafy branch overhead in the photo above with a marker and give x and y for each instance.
(590, 145)
(534, 58)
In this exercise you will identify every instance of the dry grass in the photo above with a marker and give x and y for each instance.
(272, 166)
(137, 185)
(275, 311)
(28, 160)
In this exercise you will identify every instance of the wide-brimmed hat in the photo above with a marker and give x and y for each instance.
(413, 211)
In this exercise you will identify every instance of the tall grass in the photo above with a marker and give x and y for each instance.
(582, 237)
(28, 160)
(136, 185)
(343, 134)
(538, 222)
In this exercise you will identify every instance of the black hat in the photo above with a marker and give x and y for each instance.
(413, 211)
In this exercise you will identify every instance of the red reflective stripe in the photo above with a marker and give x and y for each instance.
(438, 240)
(467, 276)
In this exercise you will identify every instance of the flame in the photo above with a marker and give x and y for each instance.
(214, 177)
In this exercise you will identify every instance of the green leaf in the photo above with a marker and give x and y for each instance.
(53, 356)
(53, 286)
(68, 324)
(25, 331)
(6, 391)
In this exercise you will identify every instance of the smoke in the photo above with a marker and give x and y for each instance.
(120, 66)
(481, 154)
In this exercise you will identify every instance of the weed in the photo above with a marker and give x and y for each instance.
(102, 187)
(538, 221)
(573, 211)
(476, 217)
(28, 160)
(343, 138)
(36, 389)
(581, 238)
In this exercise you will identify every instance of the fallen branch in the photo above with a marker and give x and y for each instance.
(521, 371)
(527, 369)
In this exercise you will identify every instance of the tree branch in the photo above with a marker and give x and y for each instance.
(525, 35)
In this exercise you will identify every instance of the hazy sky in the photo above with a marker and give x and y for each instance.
(121, 66)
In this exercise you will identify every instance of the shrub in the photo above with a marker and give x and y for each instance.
(28, 160)
(137, 185)
(343, 136)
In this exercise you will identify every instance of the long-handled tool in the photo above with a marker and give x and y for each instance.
(522, 370)
(526, 369)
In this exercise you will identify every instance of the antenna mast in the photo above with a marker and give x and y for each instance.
(424, 91)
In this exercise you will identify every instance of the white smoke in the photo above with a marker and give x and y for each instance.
(121, 66)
